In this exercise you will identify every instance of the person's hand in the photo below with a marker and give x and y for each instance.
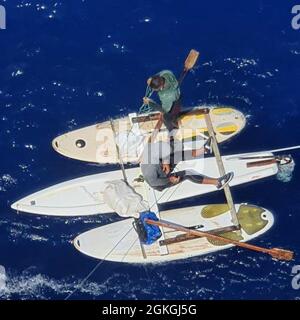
(166, 168)
(174, 180)
(146, 100)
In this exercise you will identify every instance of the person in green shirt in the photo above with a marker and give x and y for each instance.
(167, 88)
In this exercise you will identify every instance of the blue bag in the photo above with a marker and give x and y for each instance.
(152, 233)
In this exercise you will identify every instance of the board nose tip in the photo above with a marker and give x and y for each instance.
(55, 143)
(14, 205)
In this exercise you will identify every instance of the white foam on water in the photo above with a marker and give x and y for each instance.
(2, 279)
(39, 286)
(7, 181)
(295, 52)
(242, 62)
(19, 234)
(71, 124)
(145, 20)
(17, 73)
(98, 93)
(29, 146)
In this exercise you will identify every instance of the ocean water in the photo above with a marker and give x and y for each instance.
(68, 64)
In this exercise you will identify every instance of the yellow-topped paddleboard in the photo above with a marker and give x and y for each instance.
(97, 143)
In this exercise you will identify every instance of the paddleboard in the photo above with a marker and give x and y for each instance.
(84, 196)
(119, 241)
(96, 143)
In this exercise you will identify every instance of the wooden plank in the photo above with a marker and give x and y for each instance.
(151, 117)
(221, 168)
(155, 116)
(261, 163)
(194, 112)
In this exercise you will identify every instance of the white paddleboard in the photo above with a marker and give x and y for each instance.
(119, 241)
(83, 196)
(96, 143)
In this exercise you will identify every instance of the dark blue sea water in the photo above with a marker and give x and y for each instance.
(67, 64)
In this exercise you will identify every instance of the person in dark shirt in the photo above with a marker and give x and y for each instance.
(157, 168)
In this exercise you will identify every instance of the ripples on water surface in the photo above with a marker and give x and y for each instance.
(65, 65)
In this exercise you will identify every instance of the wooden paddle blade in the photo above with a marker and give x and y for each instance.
(281, 254)
(191, 60)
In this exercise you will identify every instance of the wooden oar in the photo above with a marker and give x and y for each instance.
(189, 64)
(276, 253)
(185, 237)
